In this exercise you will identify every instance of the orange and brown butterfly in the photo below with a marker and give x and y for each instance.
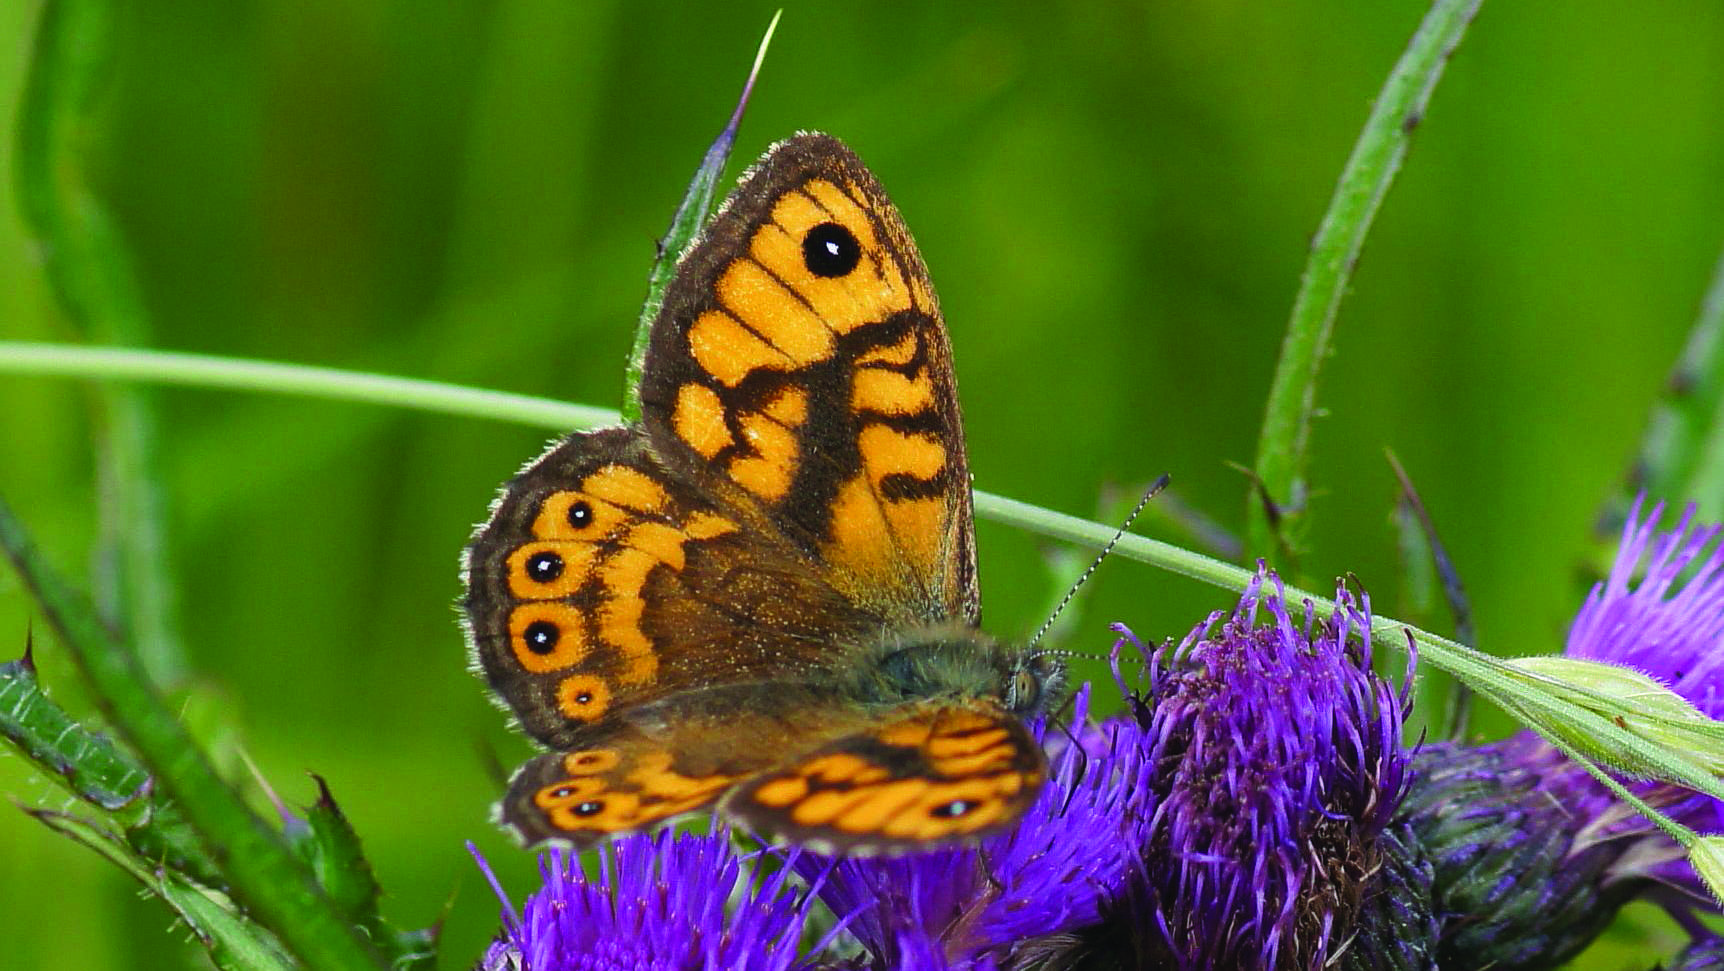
(762, 596)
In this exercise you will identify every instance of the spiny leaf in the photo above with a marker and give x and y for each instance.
(96, 770)
(91, 766)
(261, 869)
(235, 942)
(330, 844)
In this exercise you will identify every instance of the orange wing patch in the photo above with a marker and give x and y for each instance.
(587, 795)
(728, 351)
(936, 772)
(699, 420)
(875, 290)
(581, 585)
(800, 356)
(779, 313)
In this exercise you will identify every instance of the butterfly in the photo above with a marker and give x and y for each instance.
(761, 597)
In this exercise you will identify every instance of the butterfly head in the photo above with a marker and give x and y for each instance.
(1037, 684)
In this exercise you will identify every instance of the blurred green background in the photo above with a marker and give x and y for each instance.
(1114, 199)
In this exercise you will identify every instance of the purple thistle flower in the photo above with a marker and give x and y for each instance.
(1664, 626)
(1275, 756)
(661, 901)
(1532, 856)
(971, 907)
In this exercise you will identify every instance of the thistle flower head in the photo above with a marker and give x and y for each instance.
(665, 900)
(1276, 757)
(1532, 856)
(1662, 625)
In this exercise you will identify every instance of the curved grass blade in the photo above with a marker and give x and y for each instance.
(1283, 443)
(94, 280)
(690, 216)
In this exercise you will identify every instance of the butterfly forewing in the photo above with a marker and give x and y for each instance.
(800, 363)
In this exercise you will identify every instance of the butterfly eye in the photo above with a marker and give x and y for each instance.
(1026, 690)
(542, 636)
(581, 514)
(830, 250)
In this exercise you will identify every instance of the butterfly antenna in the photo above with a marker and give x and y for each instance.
(1082, 768)
(1148, 494)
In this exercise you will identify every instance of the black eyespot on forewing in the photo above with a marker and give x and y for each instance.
(830, 250)
(580, 514)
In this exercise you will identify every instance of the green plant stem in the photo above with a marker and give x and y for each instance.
(92, 276)
(265, 875)
(1504, 684)
(205, 371)
(1283, 443)
(278, 378)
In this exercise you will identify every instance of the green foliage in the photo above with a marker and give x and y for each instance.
(234, 943)
(98, 772)
(1115, 201)
(257, 868)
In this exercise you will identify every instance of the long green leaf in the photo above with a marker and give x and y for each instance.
(92, 275)
(685, 225)
(1283, 443)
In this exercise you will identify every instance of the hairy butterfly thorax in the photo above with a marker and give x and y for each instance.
(762, 596)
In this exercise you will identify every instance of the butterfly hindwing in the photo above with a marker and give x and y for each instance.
(931, 772)
(669, 756)
(616, 786)
(800, 363)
